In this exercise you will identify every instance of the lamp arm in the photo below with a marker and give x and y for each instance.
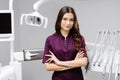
(37, 4)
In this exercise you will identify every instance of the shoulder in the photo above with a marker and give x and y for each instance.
(52, 36)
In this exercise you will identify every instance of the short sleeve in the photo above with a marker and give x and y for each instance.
(47, 47)
(83, 47)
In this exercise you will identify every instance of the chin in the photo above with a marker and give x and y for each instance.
(67, 30)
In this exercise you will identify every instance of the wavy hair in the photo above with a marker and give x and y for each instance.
(75, 32)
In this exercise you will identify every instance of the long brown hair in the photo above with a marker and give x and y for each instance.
(75, 29)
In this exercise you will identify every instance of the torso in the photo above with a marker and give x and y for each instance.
(64, 50)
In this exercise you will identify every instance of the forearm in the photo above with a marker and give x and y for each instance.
(74, 63)
(55, 67)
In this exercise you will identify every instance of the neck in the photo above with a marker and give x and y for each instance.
(64, 33)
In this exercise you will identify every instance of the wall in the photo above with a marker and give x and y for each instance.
(93, 15)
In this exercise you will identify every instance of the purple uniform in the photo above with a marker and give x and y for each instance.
(64, 50)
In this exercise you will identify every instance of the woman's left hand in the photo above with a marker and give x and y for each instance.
(52, 58)
(79, 55)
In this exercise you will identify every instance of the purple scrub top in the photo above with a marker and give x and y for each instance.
(64, 50)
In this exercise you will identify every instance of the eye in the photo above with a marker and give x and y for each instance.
(72, 20)
(64, 18)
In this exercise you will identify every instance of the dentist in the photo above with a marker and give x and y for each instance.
(65, 50)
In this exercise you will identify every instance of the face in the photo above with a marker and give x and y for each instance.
(67, 22)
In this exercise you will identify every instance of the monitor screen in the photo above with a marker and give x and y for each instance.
(5, 23)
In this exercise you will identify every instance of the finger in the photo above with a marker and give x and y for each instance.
(80, 55)
(51, 52)
(49, 55)
(49, 60)
(80, 52)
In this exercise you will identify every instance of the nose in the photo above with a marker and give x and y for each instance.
(68, 22)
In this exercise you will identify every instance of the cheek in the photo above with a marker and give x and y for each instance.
(62, 24)
(71, 25)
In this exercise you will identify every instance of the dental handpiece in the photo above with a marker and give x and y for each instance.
(117, 65)
(118, 60)
(97, 48)
(104, 63)
(110, 63)
(107, 51)
(104, 48)
(101, 47)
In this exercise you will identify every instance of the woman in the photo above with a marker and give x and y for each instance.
(64, 51)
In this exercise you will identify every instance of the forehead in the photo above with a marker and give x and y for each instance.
(68, 15)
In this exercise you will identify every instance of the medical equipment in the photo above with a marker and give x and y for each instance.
(117, 61)
(92, 50)
(28, 55)
(7, 73)
(6, 29)
(35, 18)
(38, 4)
(106, 56)
(13, 70)
(116, 64)
(98, 48)
(103, 44)
(33, 54)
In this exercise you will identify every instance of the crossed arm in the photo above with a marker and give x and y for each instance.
(65, 65)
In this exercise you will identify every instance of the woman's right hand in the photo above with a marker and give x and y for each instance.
(52, 58)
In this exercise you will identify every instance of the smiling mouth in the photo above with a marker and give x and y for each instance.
(67, 27)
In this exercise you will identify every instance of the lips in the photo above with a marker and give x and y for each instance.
(67, 26)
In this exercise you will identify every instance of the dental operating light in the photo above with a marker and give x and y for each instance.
(35, 18)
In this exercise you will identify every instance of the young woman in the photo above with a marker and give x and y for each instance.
(65, 51)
